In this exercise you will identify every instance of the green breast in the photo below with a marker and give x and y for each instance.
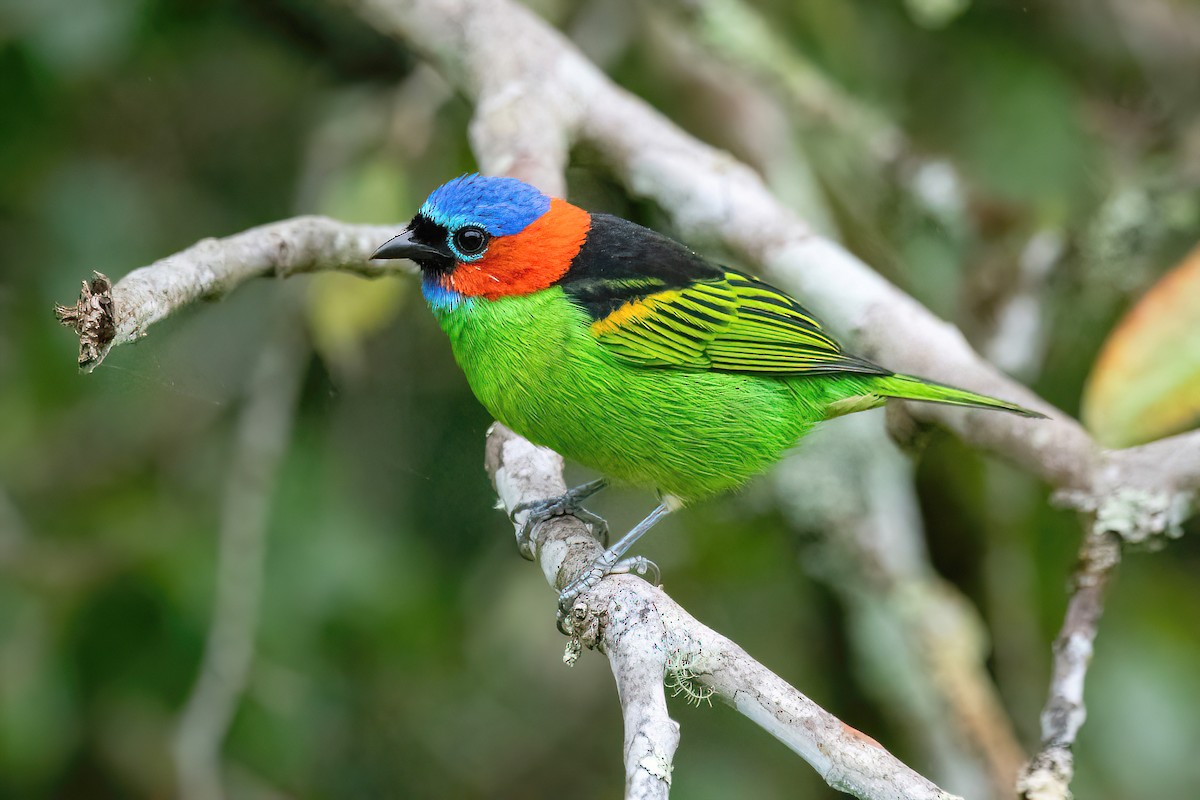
(533, 363)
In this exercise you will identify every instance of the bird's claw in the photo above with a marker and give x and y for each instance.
(584, 583)
(605, 564)
(567, 504)
(638, 565)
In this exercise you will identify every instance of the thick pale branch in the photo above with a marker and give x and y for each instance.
(646, 635)
(711, 196)
(1171, 465)
(106, 317)
(523, 473)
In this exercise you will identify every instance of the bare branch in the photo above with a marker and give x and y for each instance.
(107, 315)
(1048, 775)
(713, 197)
(1171, 465)
(645, 634)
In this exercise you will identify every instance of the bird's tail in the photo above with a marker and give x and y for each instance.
(906, 387)
(873, 391)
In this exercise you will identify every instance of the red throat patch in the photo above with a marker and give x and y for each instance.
(528, 261)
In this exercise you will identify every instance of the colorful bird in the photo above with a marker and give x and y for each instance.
(625, 351)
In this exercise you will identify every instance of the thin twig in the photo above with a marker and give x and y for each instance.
(1048, 775)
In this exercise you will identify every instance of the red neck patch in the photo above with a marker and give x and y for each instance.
(528, 261)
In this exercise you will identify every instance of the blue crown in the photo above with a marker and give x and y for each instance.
(501, 206)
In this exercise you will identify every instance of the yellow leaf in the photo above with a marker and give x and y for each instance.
(1145, 383)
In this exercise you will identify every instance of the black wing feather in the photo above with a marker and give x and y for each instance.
(655, 302)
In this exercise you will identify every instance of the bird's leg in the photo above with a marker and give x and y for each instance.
(610, 561)
(563, 505)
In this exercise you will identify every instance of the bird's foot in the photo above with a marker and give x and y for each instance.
(638, 565)
(567, 504)
(605, 564)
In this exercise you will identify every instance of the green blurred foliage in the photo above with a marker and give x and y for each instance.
(404, 649)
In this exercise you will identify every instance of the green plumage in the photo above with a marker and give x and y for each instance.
(624, 350)
(639, 401)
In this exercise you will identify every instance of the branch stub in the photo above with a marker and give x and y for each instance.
(92, 318)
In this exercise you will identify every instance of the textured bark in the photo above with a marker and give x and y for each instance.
(1048, 774)
(108, 315)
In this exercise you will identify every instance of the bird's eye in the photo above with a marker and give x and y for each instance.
(470, 240)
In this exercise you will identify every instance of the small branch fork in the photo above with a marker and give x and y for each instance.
(645, 635)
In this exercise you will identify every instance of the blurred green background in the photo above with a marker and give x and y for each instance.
(975, 152)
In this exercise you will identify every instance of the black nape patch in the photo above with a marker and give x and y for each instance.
(621, 261)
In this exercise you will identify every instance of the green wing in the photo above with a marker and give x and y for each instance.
(731, 323)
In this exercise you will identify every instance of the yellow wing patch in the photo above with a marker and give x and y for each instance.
(735, 323)
(632, 312)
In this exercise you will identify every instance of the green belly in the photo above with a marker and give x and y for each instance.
(532, 362)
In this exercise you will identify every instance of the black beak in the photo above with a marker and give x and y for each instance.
(403, 246)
